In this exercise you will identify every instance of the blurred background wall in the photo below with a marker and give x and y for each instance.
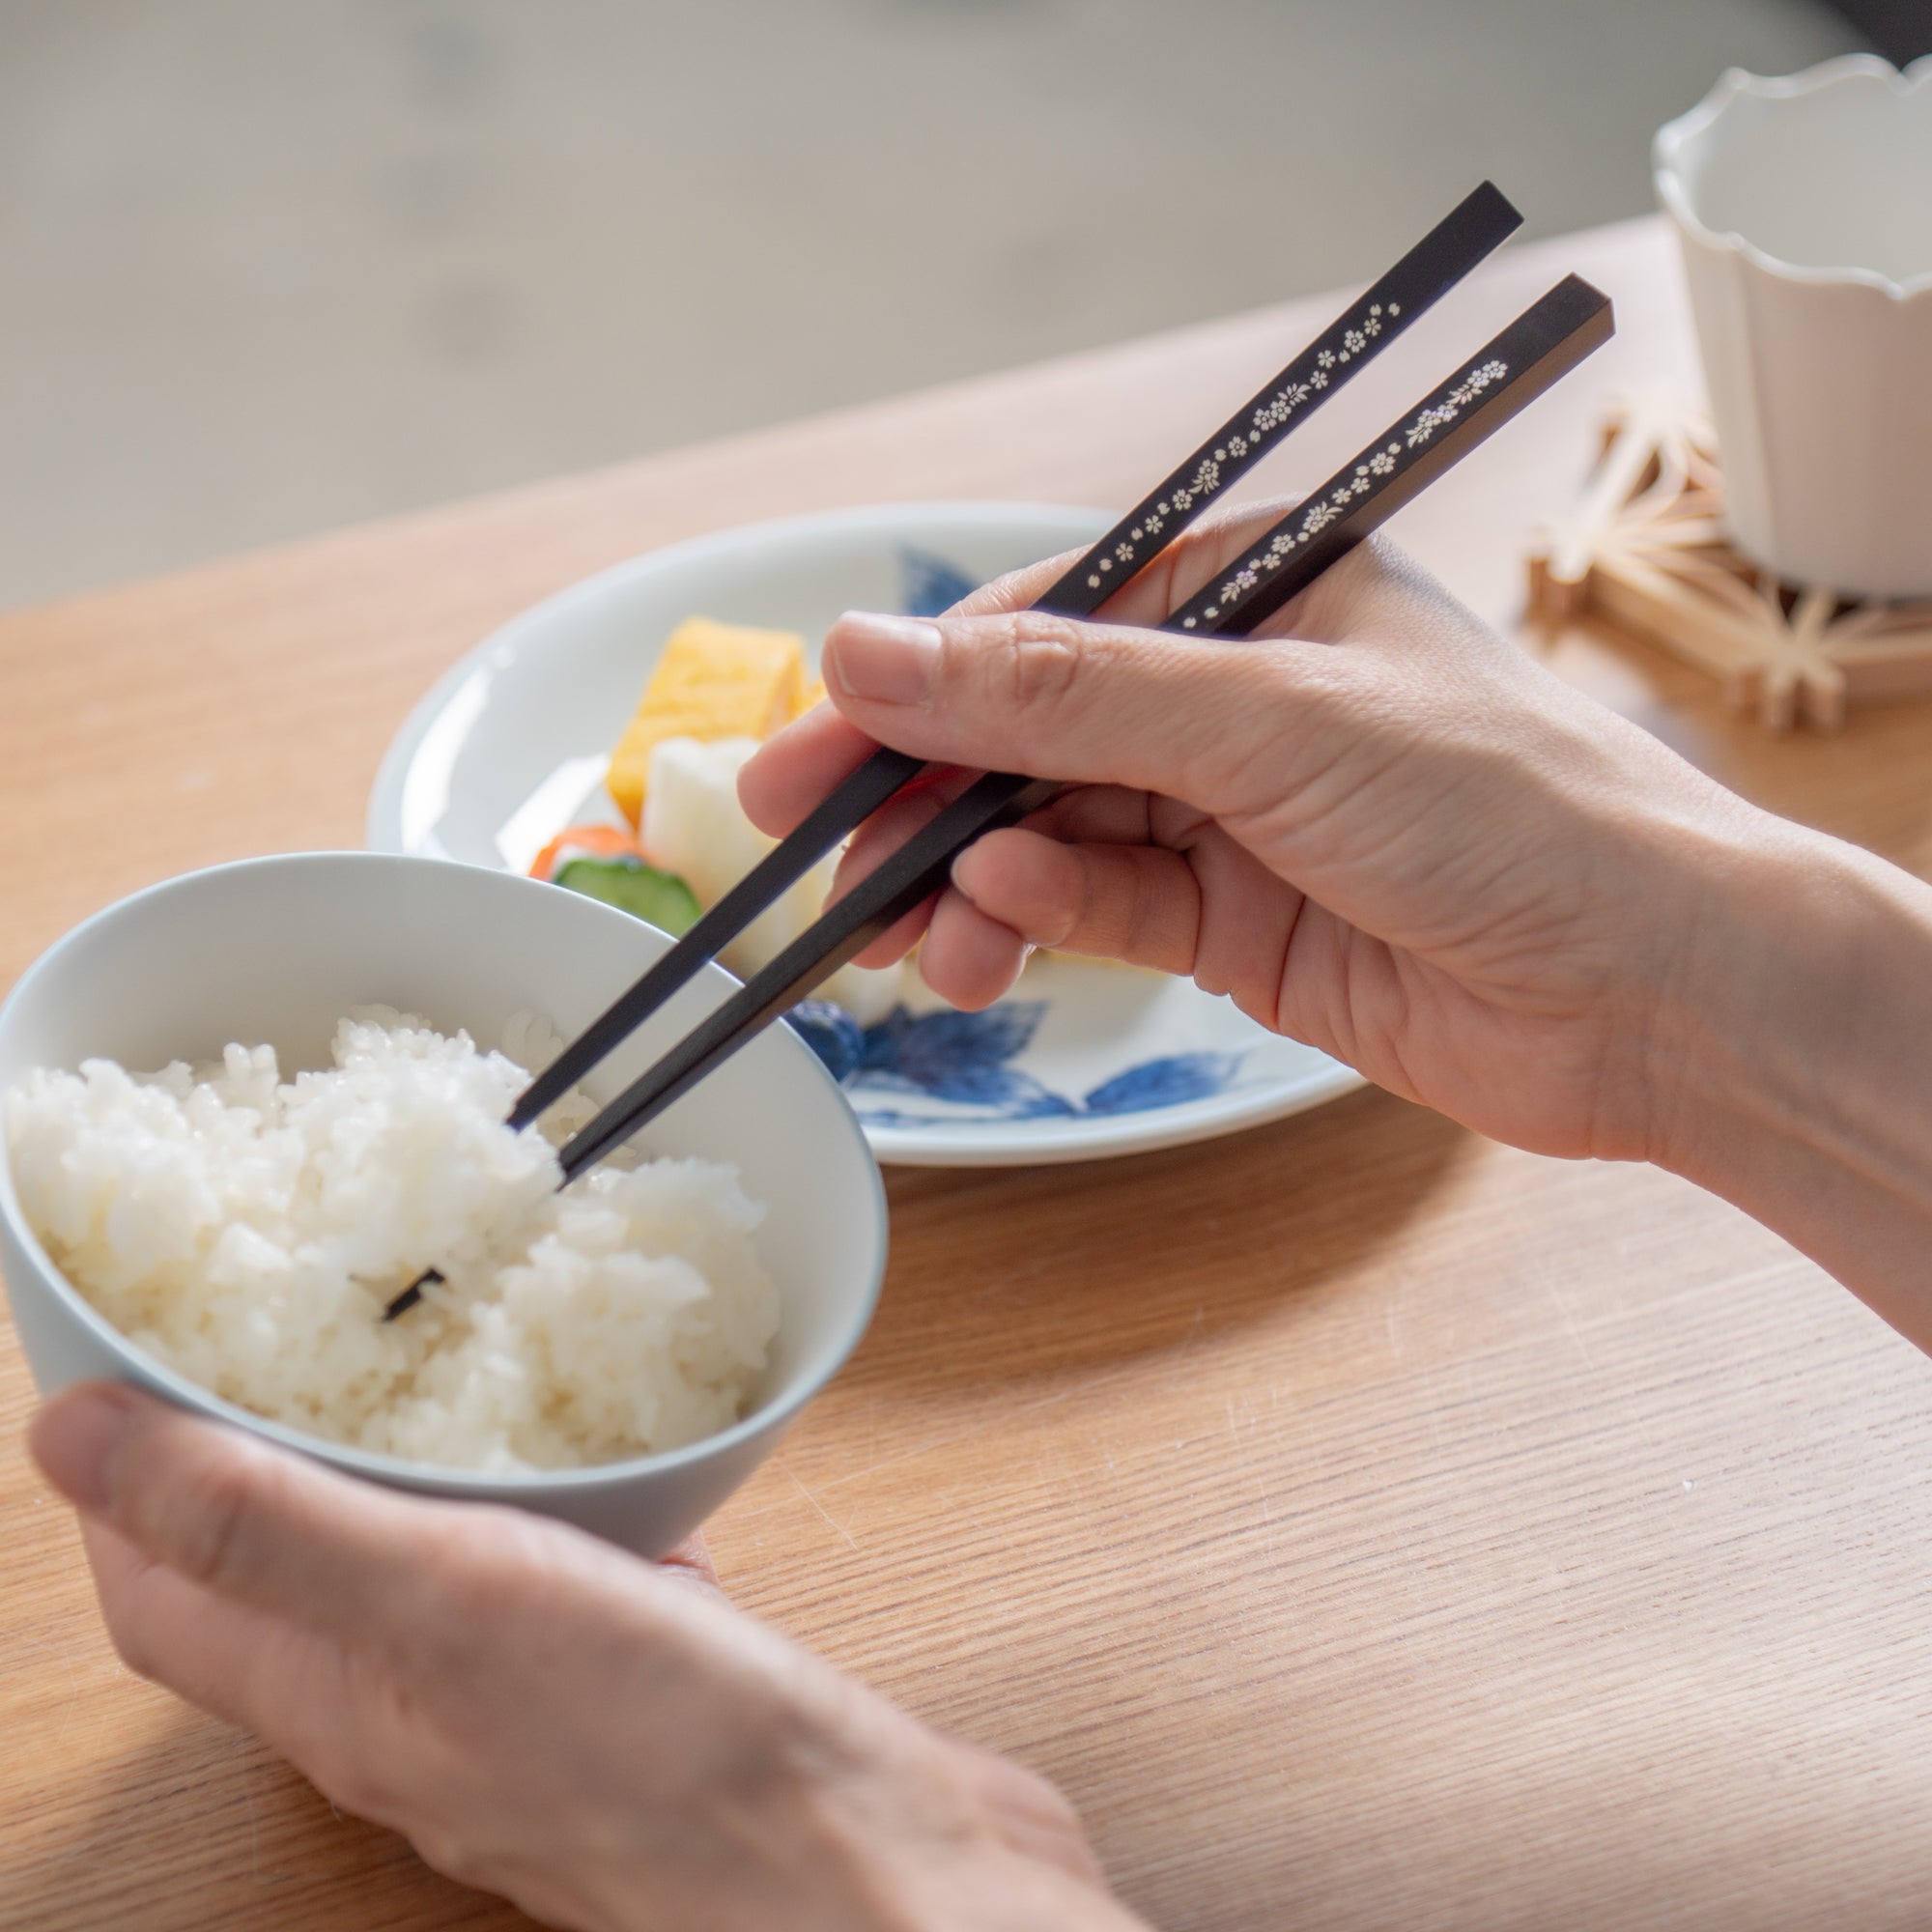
(269, 265)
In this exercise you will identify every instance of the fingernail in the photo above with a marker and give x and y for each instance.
(76, 1439)
(889, 660)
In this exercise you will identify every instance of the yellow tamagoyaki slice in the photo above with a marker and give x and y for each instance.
(713, 681)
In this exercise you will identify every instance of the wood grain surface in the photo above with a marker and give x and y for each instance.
(1370, 1525)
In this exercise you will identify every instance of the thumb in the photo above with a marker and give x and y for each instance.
(229, 1512)
(1088, 703)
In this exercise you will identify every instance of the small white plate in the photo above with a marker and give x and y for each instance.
(1083, 1060)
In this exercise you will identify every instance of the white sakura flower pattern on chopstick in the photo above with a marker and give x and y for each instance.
(1319, 513)
(1349, 340)
(1460, 398)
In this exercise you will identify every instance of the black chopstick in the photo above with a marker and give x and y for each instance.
(1501, 380)
(1468, 235)
(1543, 344)
(1464, 236)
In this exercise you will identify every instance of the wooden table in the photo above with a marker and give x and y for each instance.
(1368, 1525)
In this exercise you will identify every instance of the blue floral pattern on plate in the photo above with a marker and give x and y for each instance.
(967, 1059)
(931, 584)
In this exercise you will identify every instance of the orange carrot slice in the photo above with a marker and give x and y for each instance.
(607, 841)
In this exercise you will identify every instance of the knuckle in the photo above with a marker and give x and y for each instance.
(458, 1601)
(206, 1521)
(476, 1573)
(1381, 555)
(449, 1847)
(1394, 593)
(350, 1782)
(1051, 1804)
(1038, 662)
(1374, 580)
(130, 1637)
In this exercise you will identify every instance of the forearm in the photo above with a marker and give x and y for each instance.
(1800, 1057)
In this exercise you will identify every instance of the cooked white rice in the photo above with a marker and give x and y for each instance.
(248, 1231)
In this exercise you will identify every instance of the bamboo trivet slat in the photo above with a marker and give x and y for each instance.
(1646, 552)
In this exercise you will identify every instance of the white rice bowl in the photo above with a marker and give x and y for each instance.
(247, 1232)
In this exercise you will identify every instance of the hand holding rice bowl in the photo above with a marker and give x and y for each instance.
(631, 1314)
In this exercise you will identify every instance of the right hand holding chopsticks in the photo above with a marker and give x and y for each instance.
(1379, 826)
(1388, 833)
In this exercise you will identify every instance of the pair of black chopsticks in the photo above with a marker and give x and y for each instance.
(1543, 344)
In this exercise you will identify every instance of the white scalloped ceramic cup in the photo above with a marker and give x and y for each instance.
(1804, 210)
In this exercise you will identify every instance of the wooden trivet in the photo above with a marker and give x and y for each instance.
(1646, 552)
